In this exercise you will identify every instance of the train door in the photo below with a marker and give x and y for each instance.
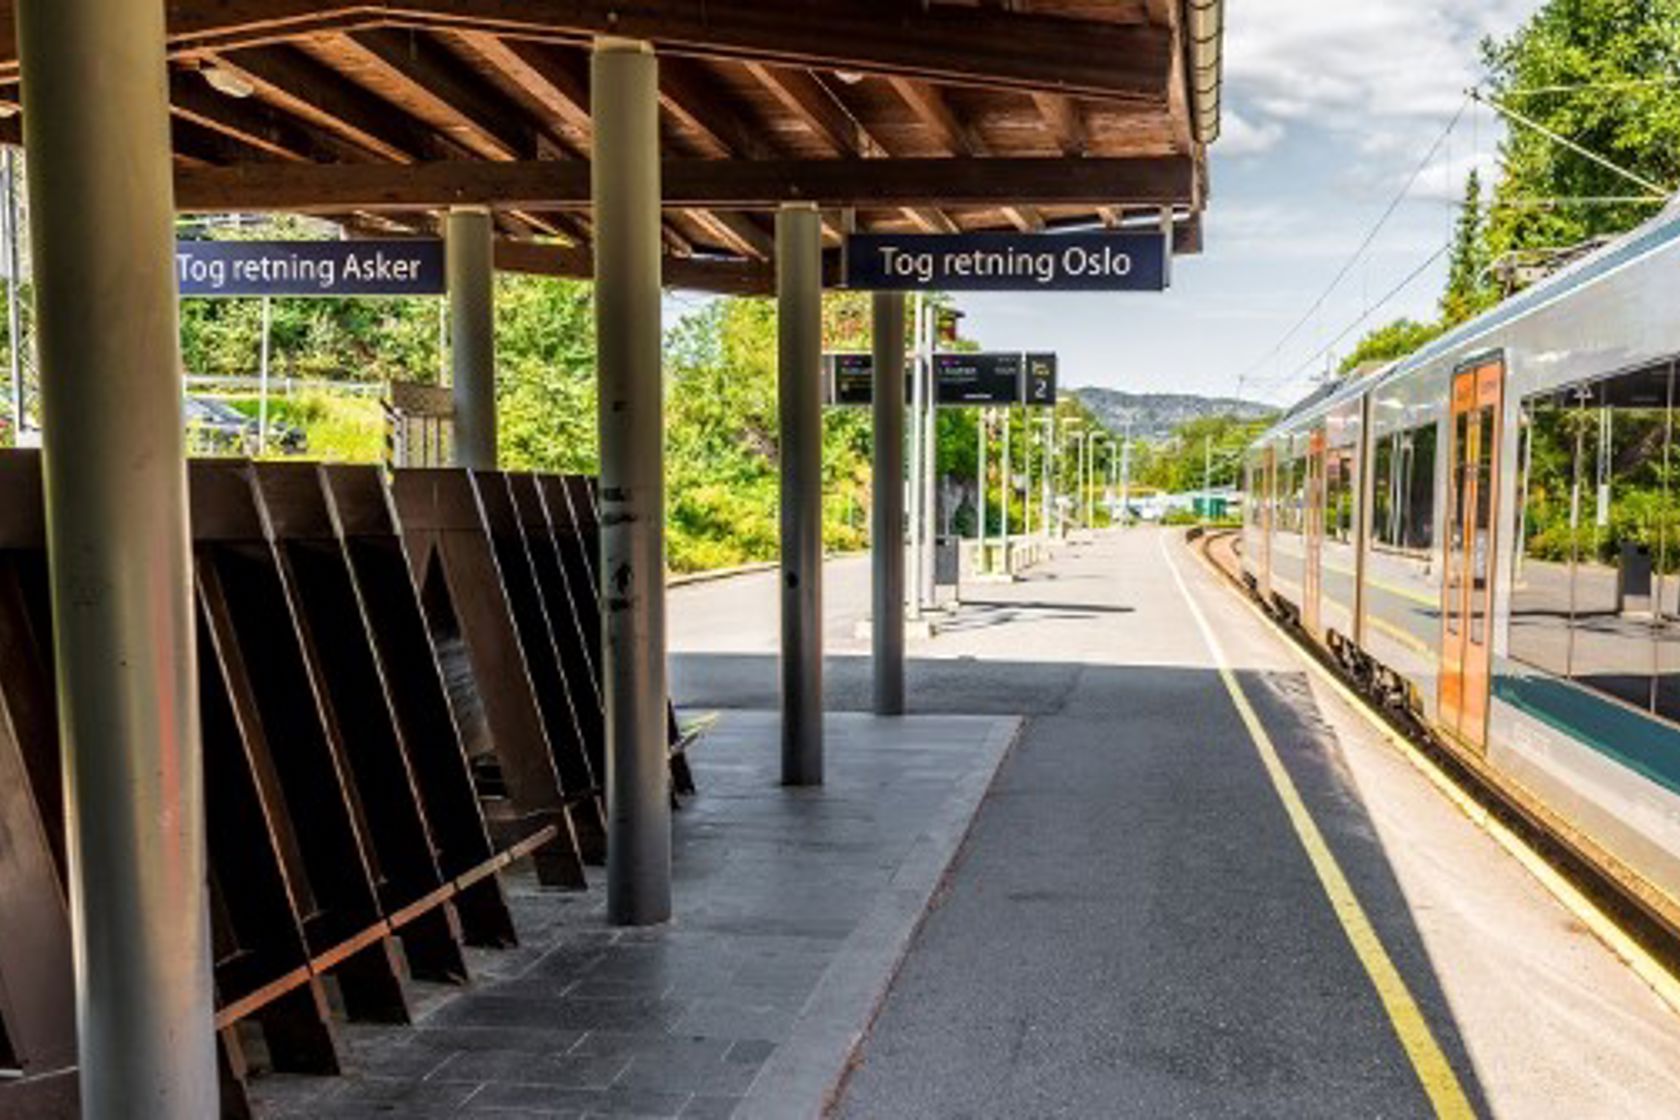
(1467, 577)
(1313, 520)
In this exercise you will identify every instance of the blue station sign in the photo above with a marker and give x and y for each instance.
(390, 267)
(1008, 262)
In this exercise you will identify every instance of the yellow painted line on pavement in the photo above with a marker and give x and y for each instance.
(1434, 1072)
(1602, 924)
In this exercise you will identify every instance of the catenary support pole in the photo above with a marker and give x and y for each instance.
(886, 536)
(1048, 466)
(96, 121)
(930, 460)
(469, 236)
(799, 378)
(918, 386)
(1007, 412)
(624, 89)
(262, 375)
(980, 418)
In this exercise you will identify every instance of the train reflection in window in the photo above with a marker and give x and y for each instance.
(1403, 489)
(1593, 474)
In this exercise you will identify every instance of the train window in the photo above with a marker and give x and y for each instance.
(1338, 495)
(1588, 567)
(1481, 543)
(1545, 535)
(1403, 489)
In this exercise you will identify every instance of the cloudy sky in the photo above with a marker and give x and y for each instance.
(1329, 107)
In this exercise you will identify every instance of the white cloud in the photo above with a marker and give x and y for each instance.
(1238, 136)
(1382, 76)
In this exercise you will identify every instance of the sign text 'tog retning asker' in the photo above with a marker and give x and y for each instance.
(1008, 262)
(389, 267)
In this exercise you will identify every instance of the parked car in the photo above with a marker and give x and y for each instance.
(217, 428)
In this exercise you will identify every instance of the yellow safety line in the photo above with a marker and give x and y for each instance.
(1434, 1072)
(1647, 967)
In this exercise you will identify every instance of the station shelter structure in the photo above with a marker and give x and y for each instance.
(727, 145)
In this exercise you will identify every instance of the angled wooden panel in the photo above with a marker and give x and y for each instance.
(472, 627)
(544, 660)
(367, 531)
(255, 636)
(362, 726)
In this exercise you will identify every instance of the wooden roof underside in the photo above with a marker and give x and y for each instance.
(935, 117)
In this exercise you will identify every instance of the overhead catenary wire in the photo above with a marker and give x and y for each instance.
(1404, 283)
(1658, 190)
(1364, 245)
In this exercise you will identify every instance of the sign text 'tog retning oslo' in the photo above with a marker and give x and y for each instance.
(1008, 262)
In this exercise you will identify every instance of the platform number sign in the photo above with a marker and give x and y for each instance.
(1039, 385)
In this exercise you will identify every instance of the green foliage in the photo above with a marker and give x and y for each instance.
(1468, 290)
(1180, 463)
(1595, 44)
(1598, 73)
(337, 428)
(1390, 341)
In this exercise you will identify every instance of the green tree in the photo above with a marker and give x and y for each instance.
(1568, 69)
(1390, 341)
(1468, 291)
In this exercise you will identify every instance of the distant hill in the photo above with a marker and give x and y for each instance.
(1155, 415)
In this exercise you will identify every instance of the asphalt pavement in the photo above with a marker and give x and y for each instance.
(1141, 922)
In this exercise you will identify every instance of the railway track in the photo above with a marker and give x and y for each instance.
(1638, 926)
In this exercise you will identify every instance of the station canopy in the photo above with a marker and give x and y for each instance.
(893, 115)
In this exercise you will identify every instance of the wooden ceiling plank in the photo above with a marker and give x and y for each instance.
(934, 111)
(428, 72)
(1064, 122)
(311, 90)
(702, 107)
(256, 123)
(709, 184)
(726, 277)
(556, 77)
(949, 42)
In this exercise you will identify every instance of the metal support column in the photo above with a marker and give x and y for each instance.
(799, 377)
(917, 400)
(980, 418)
(624, 85)
(469, 265)
(1007, 414)
(930, 463)
(1048, 466)
(886, 528)
(96, 122)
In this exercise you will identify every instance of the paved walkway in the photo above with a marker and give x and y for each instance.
(1135, 927)
(792, 907)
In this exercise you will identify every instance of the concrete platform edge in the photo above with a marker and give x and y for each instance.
(803, 1077)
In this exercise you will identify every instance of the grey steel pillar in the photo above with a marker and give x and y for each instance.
(469, 248)
(624, 89)
(930, 466)
(886, 513)
(96, 122)
(918, 386)
(980, 418)
(799, 377)
(1007, 413)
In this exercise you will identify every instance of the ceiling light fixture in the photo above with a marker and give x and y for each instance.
(226, 81)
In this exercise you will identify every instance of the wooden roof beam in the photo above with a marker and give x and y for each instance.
(942, 42)
(931, 108)
(691, 183)
(254, 122)
(434, 77)
(1064, 122)
(556, 78)
(314, 92)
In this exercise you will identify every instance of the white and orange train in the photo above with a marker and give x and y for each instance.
(1488, 533)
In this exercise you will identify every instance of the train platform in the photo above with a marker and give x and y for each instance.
(1125, 858)
(1201, 884)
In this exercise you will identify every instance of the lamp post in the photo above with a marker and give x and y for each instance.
(1126, 472)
